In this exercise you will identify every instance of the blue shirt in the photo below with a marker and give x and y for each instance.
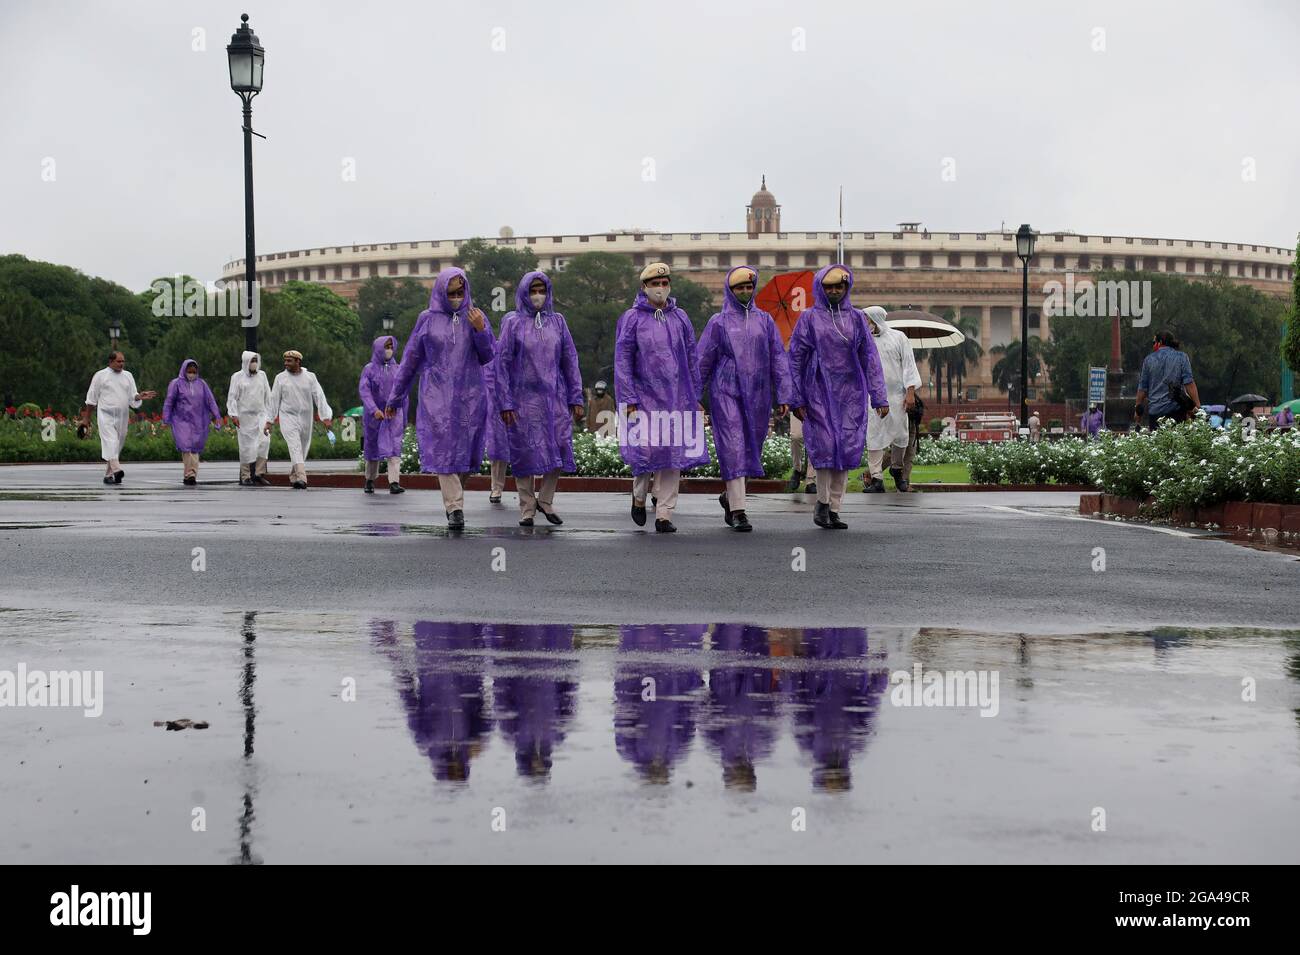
(1160, 370)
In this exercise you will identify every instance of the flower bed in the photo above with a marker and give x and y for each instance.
(1023, 462)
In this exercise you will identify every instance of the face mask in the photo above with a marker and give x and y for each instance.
(252, 368)
(456, 300)
(657, 296)
(191, 375)
(744, 298)
(835, 296)
(538, 299)
(388, 353)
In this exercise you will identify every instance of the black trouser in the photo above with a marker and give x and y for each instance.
(1153, 421)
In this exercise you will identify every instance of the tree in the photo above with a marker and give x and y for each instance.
(402, 301)
(952, 362)
(593, 291)
(494, 272)
(1006, 371)
(1291, 344)
(328, 312)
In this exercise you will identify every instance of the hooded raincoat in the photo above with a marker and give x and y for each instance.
(246, 399)
(656, 369)
(537, 377)
(447, 355)
(383, 439)
(498, 442)
(188, 410)
(834, 368)
(898, 364)
(743, 364)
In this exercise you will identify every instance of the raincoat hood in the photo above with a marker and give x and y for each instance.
(246, 357)
(877, 315)
(819, 293)
(185, 364)
(438, 296)
(732, 305)
(377, 349)
(522, 305)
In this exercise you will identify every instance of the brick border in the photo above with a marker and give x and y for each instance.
(1004, 487)
(1251, 520)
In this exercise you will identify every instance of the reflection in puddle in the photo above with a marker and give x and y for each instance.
(441, 530)
(732, 684)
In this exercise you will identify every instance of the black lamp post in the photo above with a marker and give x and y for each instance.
(1025, 250)
(246, 58)
(114, 333)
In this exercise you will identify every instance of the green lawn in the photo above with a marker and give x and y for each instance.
(921, 474)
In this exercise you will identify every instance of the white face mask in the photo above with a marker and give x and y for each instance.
(388, 353)
(456, 300)
(538, 299)
(657, 296)
(252, 368)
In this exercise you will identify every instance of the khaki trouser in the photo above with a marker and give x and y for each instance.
(452, 487)
(797, 449)
(830, 486)
(913, 437)
(876, 459)
(190, 462)
(736, 494)
(252, 469)
(298, 472)
(666, 482)
(529, 495)
(394, 470)
(498, 472)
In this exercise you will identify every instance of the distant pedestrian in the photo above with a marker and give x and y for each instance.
(1286, 417)
(111, 396)
(189, 411)
(293, 396)
(602, 416)
(1166, 388)
(1035, 427)
(1090, 423)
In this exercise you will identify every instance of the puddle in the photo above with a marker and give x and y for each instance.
(441, 530)
(337, 737)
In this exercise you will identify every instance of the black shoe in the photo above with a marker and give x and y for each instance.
(108, 479)
(664, 527)
(261, 481)
(811, 488)
(897, 475)
(117, 476)
(300, 485)
(245, 482)
(638, 513)
(456, 519)
(191, 481)
(821, 515)
(549, 515)
(494, 498)
(525, 522)
(904, 485)
(740, 522)
(836, 523)
(396, 489)
(874, 486)
(726, 508)
(794, 483)
(370, 487)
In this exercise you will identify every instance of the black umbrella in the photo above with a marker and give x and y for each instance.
(1249, 400)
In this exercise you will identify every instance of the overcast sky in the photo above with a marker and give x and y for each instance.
(123, 152)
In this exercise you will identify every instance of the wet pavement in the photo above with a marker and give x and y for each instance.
(377, 690)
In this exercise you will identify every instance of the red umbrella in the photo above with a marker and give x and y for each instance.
(784, 297)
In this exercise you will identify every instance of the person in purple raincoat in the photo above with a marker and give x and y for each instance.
(188, 410)
(743, 365)
(382, 433)
(741, 719)
(498, 443)
(655, 702)
(1091, 422)
(539, 391)
(834, 367)
(535, 691)
(657, 382)
(451, 342)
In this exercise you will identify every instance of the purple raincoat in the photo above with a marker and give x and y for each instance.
(834, 367)
(1091, 422)
(447, 356)
(742, 363)
(537, 377)
(188, 409)
(383, 439)
(498, 443)
(655, 368)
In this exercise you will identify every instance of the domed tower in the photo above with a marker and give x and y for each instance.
(762, 214)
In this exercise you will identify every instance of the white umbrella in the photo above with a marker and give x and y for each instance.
(924, 330)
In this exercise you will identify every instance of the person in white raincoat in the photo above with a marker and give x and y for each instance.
(246, 402)
(112, 395)
(293, 396)
(901, 381)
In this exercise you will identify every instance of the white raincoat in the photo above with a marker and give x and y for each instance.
(292, 398)
(247, 400)
(899, 365)
(113, 393)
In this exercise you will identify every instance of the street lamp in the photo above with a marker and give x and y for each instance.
(114, 333)
(1025, 251)
(388, 323)
(246, 58)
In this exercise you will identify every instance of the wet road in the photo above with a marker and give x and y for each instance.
(376, 691)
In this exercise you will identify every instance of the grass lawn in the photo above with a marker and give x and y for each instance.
(921, 474)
